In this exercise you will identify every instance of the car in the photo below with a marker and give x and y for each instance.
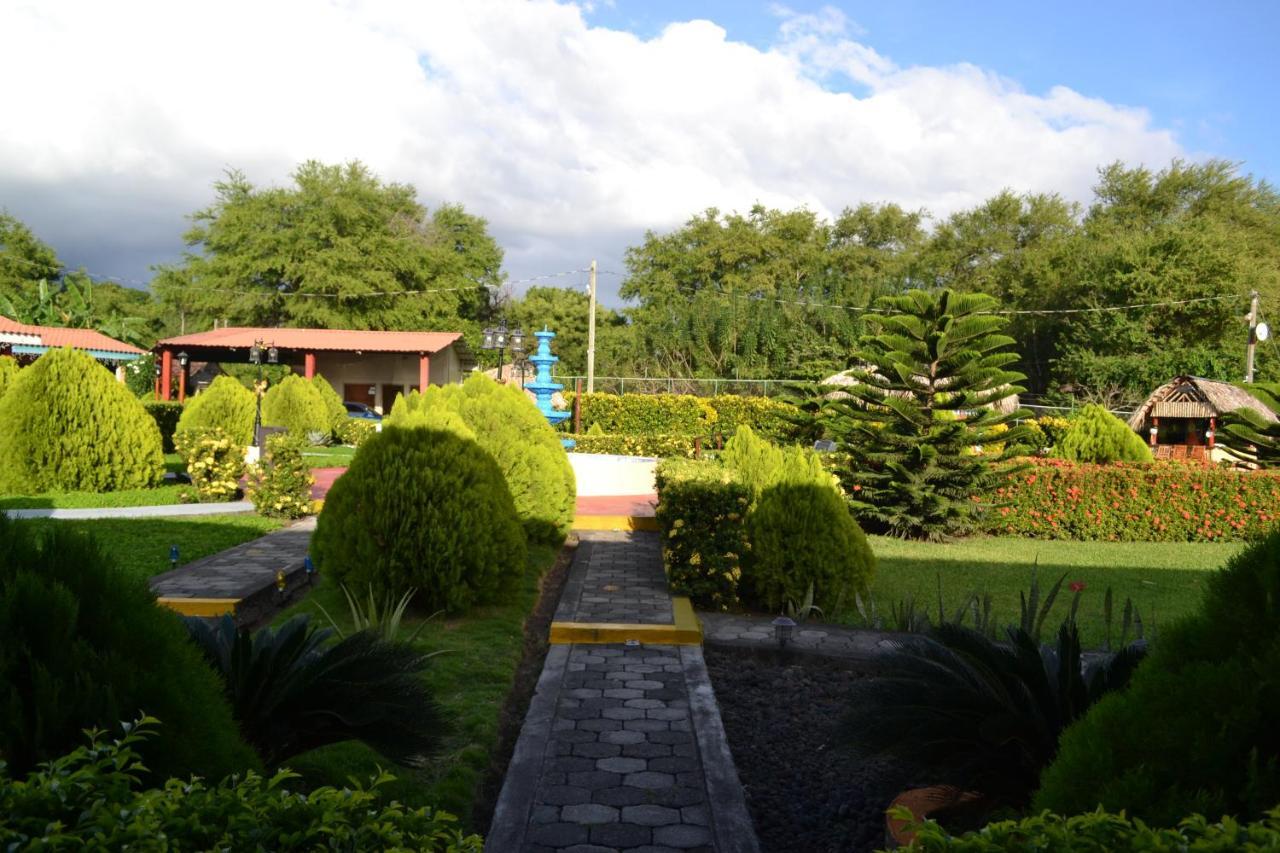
(361, 411)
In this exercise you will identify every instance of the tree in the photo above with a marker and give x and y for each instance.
(933, 366)
(564, 312)
(24, 259)
(1095, 435)
(338, 248)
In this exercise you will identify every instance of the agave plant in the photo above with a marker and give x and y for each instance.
(383, 617)
(291, 690)
(962, 709)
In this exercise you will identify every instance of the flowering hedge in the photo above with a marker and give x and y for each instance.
(702, 509)
(635, 445)
(215, 461)
(1135, 502)
(687, 415)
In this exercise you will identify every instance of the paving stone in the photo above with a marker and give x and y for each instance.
(668, 714)
(690, 778)
(621, 796)
(601, 725)
(595, 750)
(544, 814)
(623, 738)
(696, 815)
(649, 780)
(563, 795)
(678, 797)
(575, 764)
(558, 834)
(588, 848)
(644, 684)
(621, 765)
(644, 725)
(668, 765)
(623, 693)
(623, 714)
(578, 713)
(643, 704)
(621, 834)
(651, 848)
(682, 836)
(646, 750)
(656, 735)
(595, 779)
(650, 815)
(584, 693)
(574, 735)
(589, 813)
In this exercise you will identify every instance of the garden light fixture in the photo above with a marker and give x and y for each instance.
(173, 556)
(782, 628)
(501, 338)
(310, 568)
(256, 353)
(183, 358)
(281, 583)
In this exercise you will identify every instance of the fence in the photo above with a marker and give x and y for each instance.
(681, 385)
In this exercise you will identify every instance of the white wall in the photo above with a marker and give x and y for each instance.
(378, 369)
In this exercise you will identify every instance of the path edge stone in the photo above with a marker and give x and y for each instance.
(730, 819)
(520, 783)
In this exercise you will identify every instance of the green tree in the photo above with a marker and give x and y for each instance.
(932, 369)
(1095, 435)
(358, 249)
(565, 312)
(25, 259)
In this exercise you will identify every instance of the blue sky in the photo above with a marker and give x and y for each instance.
(1209, 70)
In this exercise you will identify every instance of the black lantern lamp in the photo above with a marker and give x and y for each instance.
(183, 359)
(782, 628)
(501, 338)
(256, 353)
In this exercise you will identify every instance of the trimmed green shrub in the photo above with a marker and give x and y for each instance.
(214, 460)
(701, 512)
(295, 404)
(280, 485)
(92, 799)
(1101, 830)
(769, 417)
(84, 645)
(647, 414)
(356, 431)
(1095, 435)
(803, 536)
(426, 509)
(510, 428)
(66, 424)
(1195, 731)
(333, 404)
(8, 372)
(761, 464)
(656, 446)
(226, 405)
(166, 414)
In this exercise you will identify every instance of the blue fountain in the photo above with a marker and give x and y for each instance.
(542, 386)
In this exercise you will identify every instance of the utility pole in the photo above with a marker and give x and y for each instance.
(1253, 337)
(591, 332)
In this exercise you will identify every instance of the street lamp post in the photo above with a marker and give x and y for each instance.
(500, 338)
(256, 353)
(183, 361)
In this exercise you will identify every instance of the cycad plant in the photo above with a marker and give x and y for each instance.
(291, 690)
(962, 709)
(923, 414)
(1250, 437)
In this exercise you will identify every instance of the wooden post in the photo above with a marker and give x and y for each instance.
(182, 382)
(424, 372)
(591, 331)
(577, 406)
(309, 365)
(166, 374)
(697, 447)
(1155, 430)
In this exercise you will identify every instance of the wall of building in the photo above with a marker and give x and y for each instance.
(378, 370)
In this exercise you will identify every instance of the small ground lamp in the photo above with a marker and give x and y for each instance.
(782, 628)
(281, 583)
(310, 568)
(173, 556)
(500, 338)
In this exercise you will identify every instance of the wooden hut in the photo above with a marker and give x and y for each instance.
(1180, 418)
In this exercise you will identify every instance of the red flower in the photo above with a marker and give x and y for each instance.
(1076, 586)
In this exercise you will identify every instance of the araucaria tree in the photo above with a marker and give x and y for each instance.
(923, 423)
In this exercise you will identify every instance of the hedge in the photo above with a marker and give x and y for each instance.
(702, 510)
(166, 415)
(422, 509)
(66, 424)
(686, 415)
(226, 405)
(657, 446)
(771, 418)
(92, 799)
(1135, 502)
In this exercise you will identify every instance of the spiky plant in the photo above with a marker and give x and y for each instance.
(1250, 437)
(291, 690)
(962, 709)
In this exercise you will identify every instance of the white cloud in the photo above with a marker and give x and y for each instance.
(571, 139)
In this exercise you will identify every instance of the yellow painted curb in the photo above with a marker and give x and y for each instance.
(615, 522)
(200, 606)
(686, 631)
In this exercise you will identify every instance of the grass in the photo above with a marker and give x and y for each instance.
(471, 681)
(154, 496)
(333, 456)
(140, 546)
(1164, 580)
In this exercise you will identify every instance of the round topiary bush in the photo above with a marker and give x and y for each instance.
(332, 403)
(802, 534)
(427, 509)
(1096, 435)
(295, 404)
(83, 644)
(225, 405)
(66, 424)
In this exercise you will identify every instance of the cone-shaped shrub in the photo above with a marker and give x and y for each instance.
(427, 509)
(66, 424)
(296, 404)
(802, 534)
(1096, 435)
(8, 372)
(84, 645)
(509, 426)
(226, 405)
(332, 403)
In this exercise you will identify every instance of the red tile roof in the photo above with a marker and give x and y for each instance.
(347, 340)
(56, 336)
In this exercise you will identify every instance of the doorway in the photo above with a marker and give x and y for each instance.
(359, 393)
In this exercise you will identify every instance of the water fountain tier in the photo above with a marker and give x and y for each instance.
(542, 386)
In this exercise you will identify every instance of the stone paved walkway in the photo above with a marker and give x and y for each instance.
(622, 748)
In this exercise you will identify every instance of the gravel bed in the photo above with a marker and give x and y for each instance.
(805, 792)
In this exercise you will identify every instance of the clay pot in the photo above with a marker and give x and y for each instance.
(922, 802)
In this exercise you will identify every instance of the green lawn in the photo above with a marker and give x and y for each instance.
(155, 496)
(1164, 580)
(471, 681)
(141, 545)
(335, 456)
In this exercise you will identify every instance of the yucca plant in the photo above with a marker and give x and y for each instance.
(962, 709)
(291, 690)
(382, 616)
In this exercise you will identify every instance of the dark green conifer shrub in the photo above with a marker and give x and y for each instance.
(1095, 435)
(1196, 729)
(802, 535)
(296, 404)
(84, 645)
(66, 424)
(332, 403)
(226, 405)
(427, 509)
(166, 414)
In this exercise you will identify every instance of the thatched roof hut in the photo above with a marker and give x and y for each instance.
(1006, 405)
(1195, 398)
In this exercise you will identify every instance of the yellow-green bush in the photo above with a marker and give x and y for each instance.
(332, 403)
(761, 464)
(644, 414)
(295, 404)
(1095, 435)
(702, 509)
(657, 446)
(8, 372)
(356, 431)
(425, 509)
(226, 405)
(280, 484)
(510, 428)
(214, 462)
(769, 417)
(66, 424)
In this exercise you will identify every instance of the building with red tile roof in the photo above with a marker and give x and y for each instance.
(26, 341)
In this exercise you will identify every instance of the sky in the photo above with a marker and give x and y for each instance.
(575, 128)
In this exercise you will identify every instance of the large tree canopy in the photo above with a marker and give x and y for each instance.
(338, 248)
(566, 313)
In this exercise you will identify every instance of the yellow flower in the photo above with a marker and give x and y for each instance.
(679, 522)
